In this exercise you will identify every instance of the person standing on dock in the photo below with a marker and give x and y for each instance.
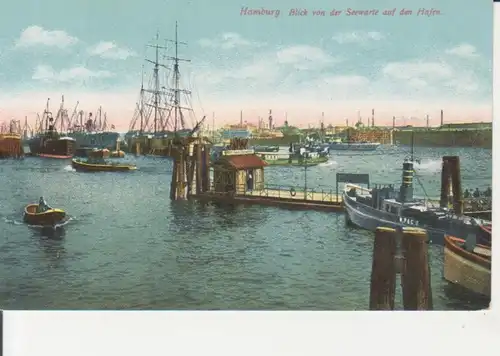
(249, 181)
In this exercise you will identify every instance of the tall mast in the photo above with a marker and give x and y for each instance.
(177, 90)
(61, 112)
(213, 126)
(47, 115)
(156, 77)
(141, 108)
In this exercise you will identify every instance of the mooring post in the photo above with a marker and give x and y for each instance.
(383, 278)
(181, 174)
(206, 169)
(416, 272)
(456, 184)
(445, 183)
(173, 183)
(199, 169)
(190, 168)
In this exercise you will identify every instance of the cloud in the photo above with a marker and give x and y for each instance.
(48, 74)
(424, 70)
(463, 50)
(435, 76)
(304, 57)
(38, 36)
(229, 40)
(285, 66)
(358, 37)
(109, 50)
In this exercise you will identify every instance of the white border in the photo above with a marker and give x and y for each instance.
(267, 333)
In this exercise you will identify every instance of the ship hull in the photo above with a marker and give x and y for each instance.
(466, 269)
(61, 148)
(95, 140)
(10, 146)
(369, 218)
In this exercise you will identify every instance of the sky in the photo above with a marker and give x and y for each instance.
(342, 66)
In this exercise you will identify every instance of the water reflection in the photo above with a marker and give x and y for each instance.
(459, 298)
(49, 232)
(52, 246)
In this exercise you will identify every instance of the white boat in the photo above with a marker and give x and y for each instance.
(354, 146)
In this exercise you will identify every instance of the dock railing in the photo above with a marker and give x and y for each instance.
(285, 192)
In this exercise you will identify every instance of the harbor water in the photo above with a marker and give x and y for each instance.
(128, 246)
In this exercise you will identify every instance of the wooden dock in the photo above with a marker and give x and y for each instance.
(290, 199)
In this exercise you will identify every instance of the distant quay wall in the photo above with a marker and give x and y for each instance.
(480, 138)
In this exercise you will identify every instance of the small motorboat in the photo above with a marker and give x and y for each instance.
(467, 264)
(100, 166)
(47, 217)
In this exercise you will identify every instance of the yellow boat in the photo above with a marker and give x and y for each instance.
(101, 167)
(49, 217)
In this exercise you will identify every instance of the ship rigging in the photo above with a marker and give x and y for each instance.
(161, 110)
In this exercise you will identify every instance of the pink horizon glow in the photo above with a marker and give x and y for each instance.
(120, 108)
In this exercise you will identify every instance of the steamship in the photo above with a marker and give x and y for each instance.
(383, 206)
(51, 144)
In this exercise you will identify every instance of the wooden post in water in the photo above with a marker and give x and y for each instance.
(190, 167)
(383, 278)
(445, 183)
(199, 167)
(456, 183)
(206, 172)
(416, 272)
(181, 174)
(175, 165)
(178, 183)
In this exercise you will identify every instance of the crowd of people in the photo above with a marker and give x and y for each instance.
(477, 193)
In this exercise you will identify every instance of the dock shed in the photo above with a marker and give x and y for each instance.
(238, 171)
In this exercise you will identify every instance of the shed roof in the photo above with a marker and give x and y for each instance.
(243, 161)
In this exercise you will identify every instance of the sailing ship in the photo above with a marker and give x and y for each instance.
(160, 113)
(49, 143)
(383, 206)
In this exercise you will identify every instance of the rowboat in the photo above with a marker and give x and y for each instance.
(484, 236)
(469, 268)
(48, 217)
(101, 166)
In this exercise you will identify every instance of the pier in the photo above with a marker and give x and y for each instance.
(238, 178)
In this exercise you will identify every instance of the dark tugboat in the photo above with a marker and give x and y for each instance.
(50, 143)
(382, 206)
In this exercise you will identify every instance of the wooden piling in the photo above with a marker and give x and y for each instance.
(199, 168)
(173, 183)
(416, 272)
(206, 169)
(181, 175)
(456, 183)
(383, 278)
(445, 183)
